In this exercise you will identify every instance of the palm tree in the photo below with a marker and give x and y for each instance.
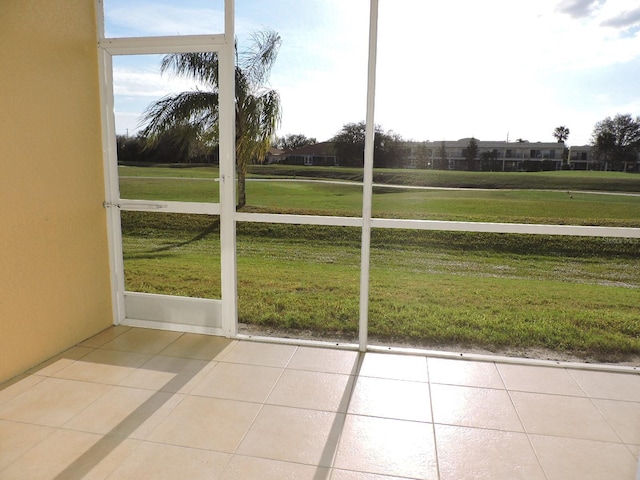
(195, 113)
(561, 133)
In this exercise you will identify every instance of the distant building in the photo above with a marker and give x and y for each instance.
(583, 158)
(495, 156)
(322, 154)
(492, 155)
(274, 155)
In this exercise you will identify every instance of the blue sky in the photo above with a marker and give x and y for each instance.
(494, 69)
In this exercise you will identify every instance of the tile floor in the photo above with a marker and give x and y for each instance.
(146, 404)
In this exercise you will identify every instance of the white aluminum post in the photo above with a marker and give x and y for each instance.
(227, 176)
(110, 166)
(367, 184)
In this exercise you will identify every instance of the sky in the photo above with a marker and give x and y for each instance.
(448, 69)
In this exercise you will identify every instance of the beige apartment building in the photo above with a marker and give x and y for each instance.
(491, 156)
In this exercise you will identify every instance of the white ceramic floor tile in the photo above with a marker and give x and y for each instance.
(611, 386)
(125, 412)
(388, 447)
(236, 381)
(52, 402)
(480, 454)
(57, 363)
(574, 459)
(18, 438)
(350, 475)
(14, 387)
(465, 373)
(104, 336)
(624, 417)
(293, 435)
(168, 462)
(104, 366)
(247, 468)
(199, 347)
(399, 399)
(396, 367)
(142, 340)
(256, 353)
(474, 407)
(325, 360)
(560, 416)
(312, 390)
(526, 378)
(169, 374)
(209, 407)
(206, 423)
(71, 455)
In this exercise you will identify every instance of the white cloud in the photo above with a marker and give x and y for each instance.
(625, 19)
(578, 8)
(140, 18)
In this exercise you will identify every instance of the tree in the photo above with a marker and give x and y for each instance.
(292, 141)
(617, 140)
(443, 159)
(423, 160)
(258, 110)
(561, 133)
(471, 152)
(490, 160)
(349, 146)
(169, 147)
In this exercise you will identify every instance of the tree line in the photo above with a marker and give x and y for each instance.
(616, 141)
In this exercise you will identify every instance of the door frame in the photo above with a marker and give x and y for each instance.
(170, 312)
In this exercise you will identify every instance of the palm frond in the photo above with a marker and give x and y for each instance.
(258, 58)
(198, 108)
(201, 66)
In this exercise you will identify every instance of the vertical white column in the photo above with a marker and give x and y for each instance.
(110, 167)
(227, 175)
(367, 185)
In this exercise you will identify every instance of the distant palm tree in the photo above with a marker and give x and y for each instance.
(561, 133)
(196, 113)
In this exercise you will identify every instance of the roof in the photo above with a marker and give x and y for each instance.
(318, 149)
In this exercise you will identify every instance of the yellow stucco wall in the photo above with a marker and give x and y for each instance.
(54, 264)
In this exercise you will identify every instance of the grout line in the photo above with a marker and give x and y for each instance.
(524, 429)
(348, 395)
(433, 421)
(264, 402)
(604, 417)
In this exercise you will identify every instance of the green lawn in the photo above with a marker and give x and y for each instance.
(296, 197)
(184, 171)
(560, 180)
(450, 289)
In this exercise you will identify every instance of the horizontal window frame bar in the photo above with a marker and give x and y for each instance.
(521, 228)
(298, 219)
(479, 227)
(161, 45)
(197, 208)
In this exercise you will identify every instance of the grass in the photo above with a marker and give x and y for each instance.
(491, 291)
(573, 295)
(515, 206)
(557, 180)
(560, 180)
